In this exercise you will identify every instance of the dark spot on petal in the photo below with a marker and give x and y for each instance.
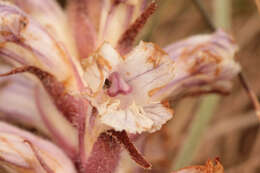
(107, 84)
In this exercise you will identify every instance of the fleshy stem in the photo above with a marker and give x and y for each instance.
(209, 103)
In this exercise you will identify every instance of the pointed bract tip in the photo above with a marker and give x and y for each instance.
(127, 39)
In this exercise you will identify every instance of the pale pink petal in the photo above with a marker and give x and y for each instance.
(116, 17)
(119, 106)
(146, 68)
(84, 16)
(204, 63)
(136, 119)
(148, 76)
(51, 16)
(21, 150)
(62, 131)
(159, 113)
(24, 39)
(94, 22)
(133, 119)
(99, 66)
(56, 105)
(17, 101)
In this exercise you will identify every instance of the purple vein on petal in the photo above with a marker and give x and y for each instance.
(12, 55)
(59, 98)
(39, 158)
(51, 54)
(145, 72)
(2, 159)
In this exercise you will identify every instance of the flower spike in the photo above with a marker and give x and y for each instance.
(92, 101)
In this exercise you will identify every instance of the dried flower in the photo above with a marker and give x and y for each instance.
(95, 91)
(210, 167)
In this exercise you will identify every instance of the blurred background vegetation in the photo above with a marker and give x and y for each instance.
(233, 131)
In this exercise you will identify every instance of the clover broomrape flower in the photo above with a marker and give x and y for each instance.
(88, 89)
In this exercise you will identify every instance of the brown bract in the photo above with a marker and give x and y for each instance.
(126, 41)
(123, 138)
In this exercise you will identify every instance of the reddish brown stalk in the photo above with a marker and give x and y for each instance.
(123, 139)
(127, 39)
(241, 76)
(105, 155)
